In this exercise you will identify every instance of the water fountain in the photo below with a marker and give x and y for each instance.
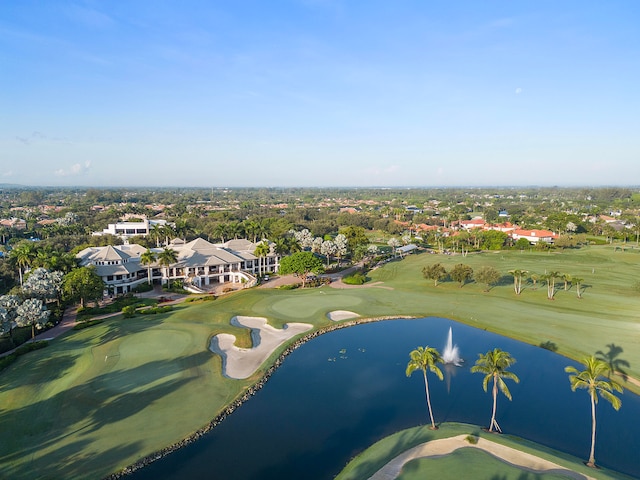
(450, 354)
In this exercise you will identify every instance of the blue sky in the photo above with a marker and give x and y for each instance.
(320, 93)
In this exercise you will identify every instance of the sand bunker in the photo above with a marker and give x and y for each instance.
(240, 363)
(447, 445)
(337, 315)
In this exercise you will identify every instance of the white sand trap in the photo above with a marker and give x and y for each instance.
(337, 315)
(445, 446)
(240, 363)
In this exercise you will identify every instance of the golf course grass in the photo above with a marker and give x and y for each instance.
(99, 399)
(461, 462)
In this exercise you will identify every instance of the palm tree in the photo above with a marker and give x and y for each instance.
(167, 257)
(494, 365)
(220, 231)
(591, 380)
(148, 258)
(566, 278)
(23, 254)
(425, 358)
(550, 278)
(280, 246)
(517, 279)
(261, 251)
(578, 281)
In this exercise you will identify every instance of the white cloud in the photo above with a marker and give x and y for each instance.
(7, 174)
(518, 91)
(75, 169)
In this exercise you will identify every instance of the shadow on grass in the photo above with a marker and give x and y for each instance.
(37, 369)
(49, 465)
(615, 364)
(83, 409)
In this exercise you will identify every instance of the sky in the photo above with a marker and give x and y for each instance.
(319, 93)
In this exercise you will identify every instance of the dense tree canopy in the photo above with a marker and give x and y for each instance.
(303, 264)
(83, 284)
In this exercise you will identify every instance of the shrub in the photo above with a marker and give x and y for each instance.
(128, 311)
(143, 287)
(291, 286)
(156, 310)
(472, 439)
(206, 298)
(357, 278)
(87, 324)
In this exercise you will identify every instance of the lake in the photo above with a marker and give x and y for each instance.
(341, 392)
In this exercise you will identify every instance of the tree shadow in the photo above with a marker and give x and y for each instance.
(34, 369)
(85, 408)
(615, 364)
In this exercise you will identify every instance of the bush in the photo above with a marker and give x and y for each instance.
(129, 311)
(206, 298)
(87, 324)
(357, 278)
(291, 286)
(155, 310)
(143, 287)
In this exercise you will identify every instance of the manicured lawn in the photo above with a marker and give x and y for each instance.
(462, 462)
(98, 399)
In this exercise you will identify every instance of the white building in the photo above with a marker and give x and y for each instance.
(198, 263)
(126, 230)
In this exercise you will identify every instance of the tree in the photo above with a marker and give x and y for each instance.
(83, 284)
(8, 307)
(261, 251)
(435, 272)
(23, 254)
(148, 258)
(302, 264)
(517, 279)
(425, 358)
(550, 278)
(461, 273)
(566, 278)
(327, 249)
(522, 243)
(393, 243)
(592, 380)
(341, 246)
(355, 236)
(578, 281)
(304, 238)
(43, 284)
(487, 275)
(32, 312)
(167, 257)
(493, 365)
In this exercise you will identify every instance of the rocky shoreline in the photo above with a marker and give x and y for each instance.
(149, 459)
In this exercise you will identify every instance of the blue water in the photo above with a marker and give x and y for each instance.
(322, 407)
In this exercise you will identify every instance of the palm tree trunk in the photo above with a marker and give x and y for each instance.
(495, 404)
(592, 459)
(426, 389)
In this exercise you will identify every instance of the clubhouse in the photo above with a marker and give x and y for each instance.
(201, 265)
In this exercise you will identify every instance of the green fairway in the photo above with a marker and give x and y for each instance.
(460, 463)
(101, 398)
